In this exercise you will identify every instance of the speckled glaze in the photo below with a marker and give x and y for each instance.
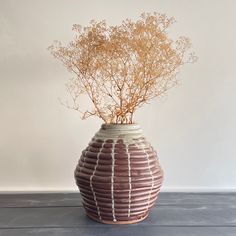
(119, 175)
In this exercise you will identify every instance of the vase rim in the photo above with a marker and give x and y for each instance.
(119, 123)
(115, 126)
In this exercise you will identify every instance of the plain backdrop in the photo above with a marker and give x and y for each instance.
(193, 128)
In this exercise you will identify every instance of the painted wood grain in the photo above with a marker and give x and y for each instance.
(197, 215)
(123, 231)
(74, 199)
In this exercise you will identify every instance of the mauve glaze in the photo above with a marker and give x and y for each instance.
(119, 175)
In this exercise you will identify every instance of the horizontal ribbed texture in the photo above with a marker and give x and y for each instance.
(119, 175)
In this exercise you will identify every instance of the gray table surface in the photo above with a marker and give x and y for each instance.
(185, 214)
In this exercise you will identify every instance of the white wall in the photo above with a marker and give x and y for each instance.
(193, 128)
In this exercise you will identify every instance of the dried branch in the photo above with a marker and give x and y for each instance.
(122, 67)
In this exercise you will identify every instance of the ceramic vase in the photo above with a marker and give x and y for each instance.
(119, 175)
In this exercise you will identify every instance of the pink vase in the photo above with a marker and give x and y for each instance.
(119, 175)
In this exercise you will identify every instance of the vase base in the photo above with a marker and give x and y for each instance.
(120, 222)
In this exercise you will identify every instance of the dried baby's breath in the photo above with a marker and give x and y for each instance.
(122, 67)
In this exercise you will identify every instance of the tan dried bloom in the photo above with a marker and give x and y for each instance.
(122, 67)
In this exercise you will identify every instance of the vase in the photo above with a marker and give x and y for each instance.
(118, 175)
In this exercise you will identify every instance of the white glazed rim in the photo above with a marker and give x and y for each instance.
(114, 126)
(127, 132)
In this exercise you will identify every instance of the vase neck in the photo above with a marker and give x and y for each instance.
(120, 131)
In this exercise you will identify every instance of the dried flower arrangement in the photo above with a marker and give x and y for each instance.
(122, 67)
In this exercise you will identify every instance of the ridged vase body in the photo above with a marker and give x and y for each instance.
(118, 175)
